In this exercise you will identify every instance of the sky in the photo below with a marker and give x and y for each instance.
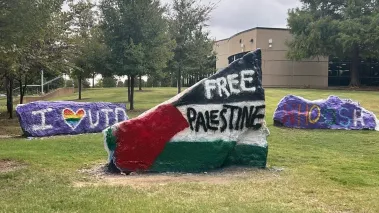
(233, 16)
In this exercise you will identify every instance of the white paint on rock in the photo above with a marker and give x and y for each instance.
(254, 137)
(235, 82)
(42, 126)
(245, 136)
(171, 100)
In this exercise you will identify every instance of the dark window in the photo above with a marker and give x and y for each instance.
(236, 56)
(339, 72)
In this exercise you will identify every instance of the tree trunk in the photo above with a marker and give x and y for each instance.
(354, 72)
(80, 86)
(9, 88)
(93, 80)
(140, 83)
(129, 88)
(131, 101)
(179, 80)
(22, 89)
(186, 81)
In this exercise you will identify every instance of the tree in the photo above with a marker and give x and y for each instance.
(136, 34)
(120, 84)
(109, 82)
(83, 20)
(23, 27)
(344, 29)
(188, 18)
(201, 62)
(46, 52)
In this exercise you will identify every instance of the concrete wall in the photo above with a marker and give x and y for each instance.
(222, 49)
(278, 71)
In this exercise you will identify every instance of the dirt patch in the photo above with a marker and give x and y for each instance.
(9, 166)
(146, 180)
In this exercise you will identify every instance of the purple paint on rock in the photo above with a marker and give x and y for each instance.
(43, 118)
(332, 113)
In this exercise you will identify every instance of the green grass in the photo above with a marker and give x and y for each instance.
(324, 170)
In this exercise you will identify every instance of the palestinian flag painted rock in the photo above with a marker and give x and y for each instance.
(217, 122)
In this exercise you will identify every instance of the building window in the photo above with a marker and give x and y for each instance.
(339, 72)
(236, 56)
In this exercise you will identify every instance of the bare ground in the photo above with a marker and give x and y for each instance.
(9, 166)
(146, 180)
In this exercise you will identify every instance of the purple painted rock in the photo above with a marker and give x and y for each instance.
(43, 118)
(332, 113)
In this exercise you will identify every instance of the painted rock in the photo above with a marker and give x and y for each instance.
(43, 118)
(332, 113)
(217, 122)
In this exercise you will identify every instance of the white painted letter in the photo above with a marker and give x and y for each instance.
(221, 83)
(209, 85)
(94, 125)
(232, 80)
(43, 125)
(107, 111)
(117, 110)
(248, 79)
(360, 119)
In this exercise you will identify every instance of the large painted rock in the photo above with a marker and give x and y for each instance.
(43, 118)
(217, 122)
(332, 113)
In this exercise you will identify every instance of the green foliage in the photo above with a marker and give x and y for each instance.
(32, 37)
(136, 33)
(109, 82)
(120, 84)
(69, 83)
(90, 54)
(82, 23)
(58, 83)
(194, 50)
(345, 29)
(85, 83)
(99, 83)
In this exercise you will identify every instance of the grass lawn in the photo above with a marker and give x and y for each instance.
(324, 170)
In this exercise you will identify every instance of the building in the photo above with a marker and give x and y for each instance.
(278, 71)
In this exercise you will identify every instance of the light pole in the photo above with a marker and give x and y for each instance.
(42, 82)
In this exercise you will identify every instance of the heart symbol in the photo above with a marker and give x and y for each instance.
(72, 118)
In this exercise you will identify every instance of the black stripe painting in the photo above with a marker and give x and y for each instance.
(240, 81)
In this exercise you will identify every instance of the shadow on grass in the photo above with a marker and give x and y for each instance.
(9, 127)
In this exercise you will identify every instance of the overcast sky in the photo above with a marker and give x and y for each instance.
(233, 16)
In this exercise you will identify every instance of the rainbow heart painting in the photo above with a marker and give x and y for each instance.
(72, 118)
